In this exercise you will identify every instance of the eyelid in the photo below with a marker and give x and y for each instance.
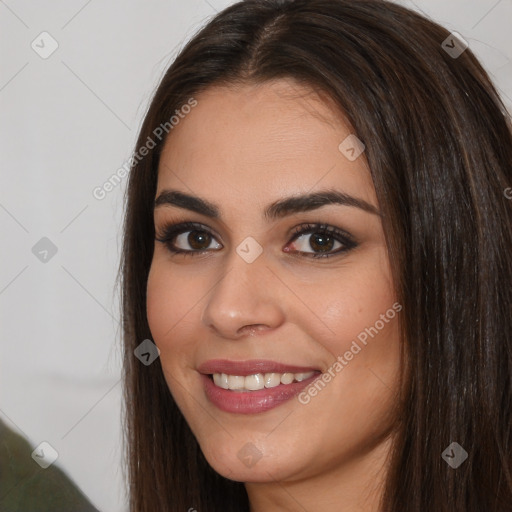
(171, 230)
(311, 227)
(174, 229)
(182, 222)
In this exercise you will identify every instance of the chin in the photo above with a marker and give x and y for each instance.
(248, 463)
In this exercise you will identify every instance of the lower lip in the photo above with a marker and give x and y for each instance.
(252, 402)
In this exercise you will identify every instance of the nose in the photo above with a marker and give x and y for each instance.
(244, 300)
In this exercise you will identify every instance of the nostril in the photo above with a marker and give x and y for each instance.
(253, 328)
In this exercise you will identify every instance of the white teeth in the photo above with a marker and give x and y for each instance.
(303, 376)
(236, 382)
(254, 382)
(287, 378)
(257, 381)
(221, 380)
(272, 380)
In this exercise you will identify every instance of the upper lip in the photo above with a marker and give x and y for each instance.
(250, 367)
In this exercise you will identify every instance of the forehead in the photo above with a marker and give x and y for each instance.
(266, 140)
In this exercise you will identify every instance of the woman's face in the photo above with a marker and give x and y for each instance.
(247, 299)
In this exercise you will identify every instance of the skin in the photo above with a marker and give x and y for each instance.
(242, 149)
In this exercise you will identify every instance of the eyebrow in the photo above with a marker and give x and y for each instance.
(276, 210)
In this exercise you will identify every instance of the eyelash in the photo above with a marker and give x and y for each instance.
(170, 231)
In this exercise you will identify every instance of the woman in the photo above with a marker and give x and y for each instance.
(317, 239)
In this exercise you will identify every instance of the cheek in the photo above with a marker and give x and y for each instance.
(170, 308)
(363, 345)
(160, 305)
(170, 303)
(358, 306)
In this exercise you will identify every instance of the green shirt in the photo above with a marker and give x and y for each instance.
(27, 487)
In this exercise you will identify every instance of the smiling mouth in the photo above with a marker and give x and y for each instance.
(258, 381)
(269, 390)
(253, 386)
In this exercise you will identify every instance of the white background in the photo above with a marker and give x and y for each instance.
(68, 123)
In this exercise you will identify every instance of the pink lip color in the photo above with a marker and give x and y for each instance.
(251, 402)
(244, 368)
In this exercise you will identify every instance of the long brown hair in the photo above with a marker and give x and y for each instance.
(439, 147)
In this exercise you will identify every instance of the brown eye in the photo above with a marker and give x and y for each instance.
(197, 239)
(187, 238)
(322, 239)
(319, 242)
